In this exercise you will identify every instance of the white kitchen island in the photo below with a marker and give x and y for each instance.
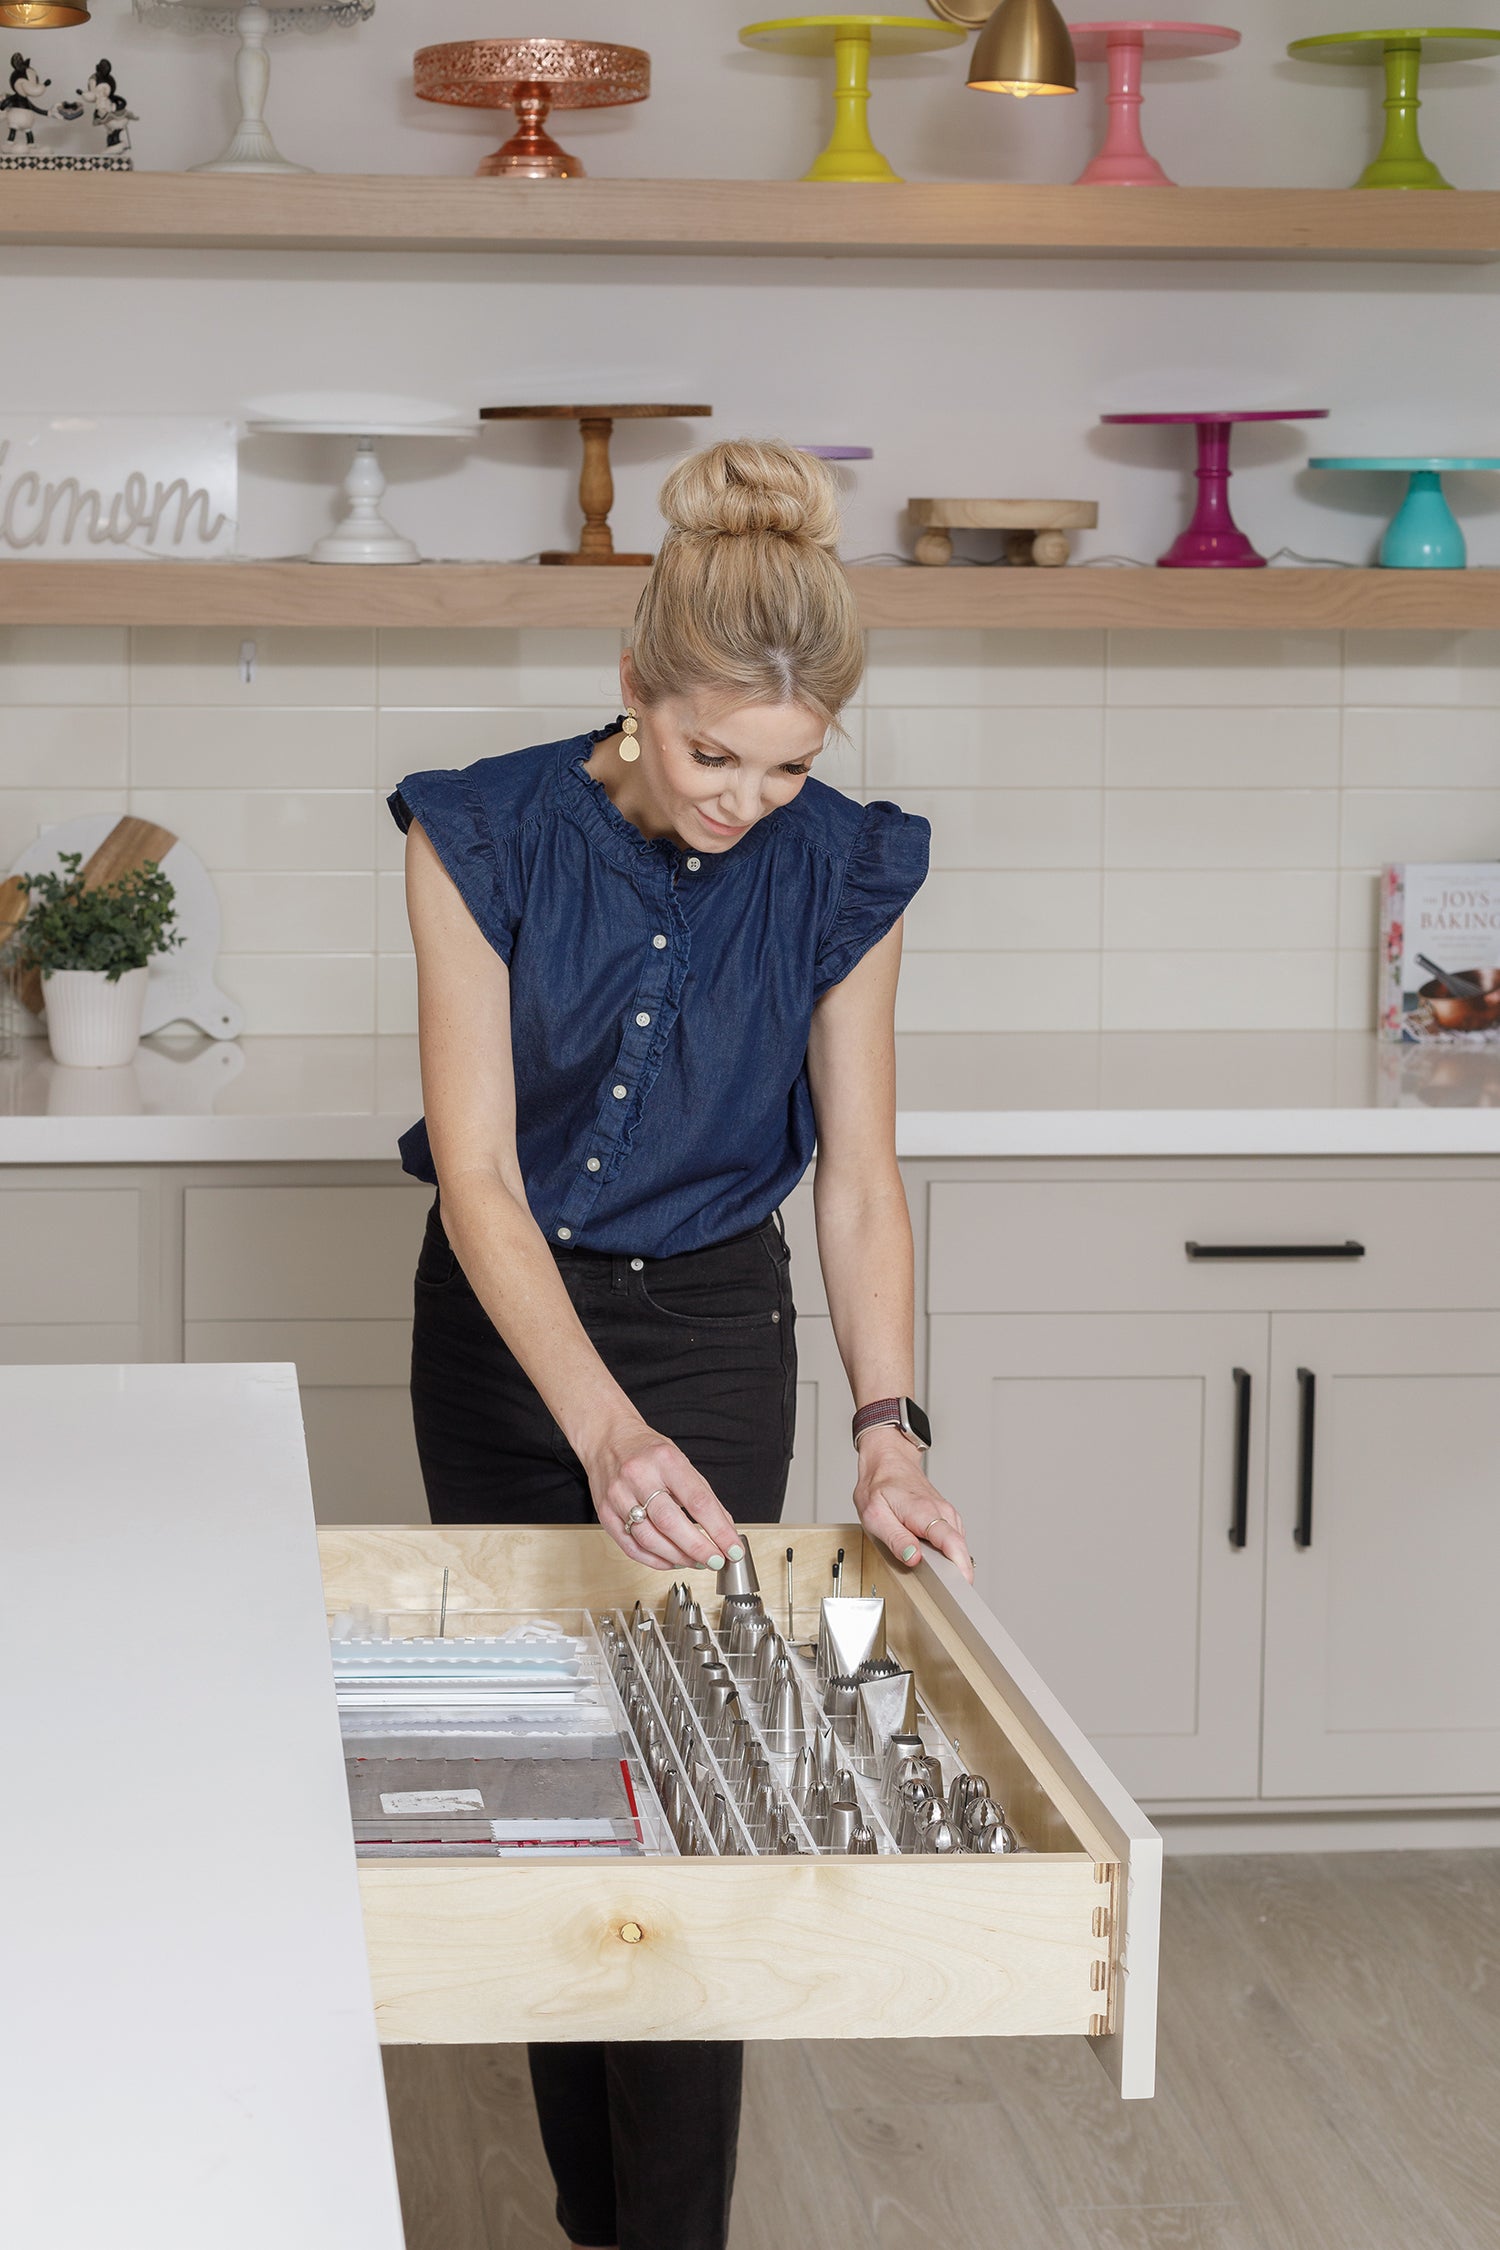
(190, 2057)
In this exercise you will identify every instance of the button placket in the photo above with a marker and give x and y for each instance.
(648, 1024)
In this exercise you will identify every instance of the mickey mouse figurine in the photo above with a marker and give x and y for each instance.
(103, 97)
(21, 102)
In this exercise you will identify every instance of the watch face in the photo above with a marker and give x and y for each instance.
(917, 1423)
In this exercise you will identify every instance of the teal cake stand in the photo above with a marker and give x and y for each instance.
(1424, 533)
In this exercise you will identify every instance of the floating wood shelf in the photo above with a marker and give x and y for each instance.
(770, 218)
(512, 594)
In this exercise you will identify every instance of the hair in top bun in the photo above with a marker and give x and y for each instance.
(748, 598)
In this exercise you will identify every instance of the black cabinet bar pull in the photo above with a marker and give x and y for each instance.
(1309, 1250)
(1239, 1523)
(1307, 1384)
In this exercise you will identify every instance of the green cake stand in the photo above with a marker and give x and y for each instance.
(1424, 533)
(1402, 161)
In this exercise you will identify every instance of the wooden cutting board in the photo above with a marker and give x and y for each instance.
(129, 844)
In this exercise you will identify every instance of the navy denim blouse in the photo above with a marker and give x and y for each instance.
(660, 999)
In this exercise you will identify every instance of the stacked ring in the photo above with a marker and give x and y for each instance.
(641, 1512)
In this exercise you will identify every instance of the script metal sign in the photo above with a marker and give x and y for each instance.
(101, 487)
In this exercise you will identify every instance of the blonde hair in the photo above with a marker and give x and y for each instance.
(748, 598)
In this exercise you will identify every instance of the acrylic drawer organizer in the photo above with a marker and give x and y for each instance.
(687, 1845)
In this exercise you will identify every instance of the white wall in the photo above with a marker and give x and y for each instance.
(1171, 832)
(1103, 815)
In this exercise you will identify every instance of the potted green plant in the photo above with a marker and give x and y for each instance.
(92, 948)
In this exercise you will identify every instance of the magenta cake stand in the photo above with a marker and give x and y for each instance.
(1213, 540)
(1125, 160)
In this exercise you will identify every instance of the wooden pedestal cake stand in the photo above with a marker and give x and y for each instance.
(1036, 531)
(596, 484)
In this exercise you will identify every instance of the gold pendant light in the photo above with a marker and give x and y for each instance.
(1024, 49)
(41, 15)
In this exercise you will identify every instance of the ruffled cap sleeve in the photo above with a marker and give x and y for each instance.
(886, 868)
(453, 820)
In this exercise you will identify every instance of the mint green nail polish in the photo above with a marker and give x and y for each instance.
(908, 1554)
(736, 1552)
(716, 1562)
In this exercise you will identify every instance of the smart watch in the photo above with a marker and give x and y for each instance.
(902, 1414)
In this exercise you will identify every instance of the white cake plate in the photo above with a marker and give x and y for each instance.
(364, 536)
(181, 987)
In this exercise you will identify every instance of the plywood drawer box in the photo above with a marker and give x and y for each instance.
(1121, 1245)
(1060, 1940)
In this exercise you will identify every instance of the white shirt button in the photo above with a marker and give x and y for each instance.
(593, 1163)
(565, 1234)
(637, 1265)
(643, 1019)
(659, 942)
(619, 1093)
(693, 866)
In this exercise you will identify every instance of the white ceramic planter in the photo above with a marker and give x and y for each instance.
(91, 1023)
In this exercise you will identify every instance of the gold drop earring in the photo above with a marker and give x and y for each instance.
(630, 749)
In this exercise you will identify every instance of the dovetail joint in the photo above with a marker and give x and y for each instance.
(1098, 1975)
(1101, 1921)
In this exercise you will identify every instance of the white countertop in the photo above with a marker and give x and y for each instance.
(309, 1100)
(187, 1997)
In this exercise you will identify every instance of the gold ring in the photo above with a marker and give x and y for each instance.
(928, 1526)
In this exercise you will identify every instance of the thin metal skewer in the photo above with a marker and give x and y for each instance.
(790, 1630)
(838, 1574)
(443, 1608)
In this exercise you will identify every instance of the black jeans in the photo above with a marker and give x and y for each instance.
(641, 2135)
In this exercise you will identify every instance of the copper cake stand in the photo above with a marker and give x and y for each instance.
(596, 485)
(532, 77)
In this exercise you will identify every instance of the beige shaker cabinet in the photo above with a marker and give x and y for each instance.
(1111, 1471)
(1382, 1556)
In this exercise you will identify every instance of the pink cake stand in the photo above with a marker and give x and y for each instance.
(1213, 540)
(1125, 160)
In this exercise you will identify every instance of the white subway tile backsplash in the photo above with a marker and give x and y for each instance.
(1421, 748)
(396, 992)
(288, 664)
(1359, 907)
(1205, 828)
(997, 670)
(62, 746)
(416, 741)
(1358, 991)
(1422, 668)
(302, 993)
(266, 828)
(266, 912)
(1392, 824)
(1024, 748)
(1016, 910)
(64, 664)
(183, 746)
(1219, 991)
(1266, 910)
(999, 992)
(430, 668)
(1010, 827)
(1228, 669)
(1260, 747)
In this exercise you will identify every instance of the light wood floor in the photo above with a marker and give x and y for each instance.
(1330, 2080)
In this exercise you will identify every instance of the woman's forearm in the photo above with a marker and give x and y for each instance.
(865, 1250)
(513, 1274)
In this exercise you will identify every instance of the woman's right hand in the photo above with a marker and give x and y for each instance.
(686, 1527)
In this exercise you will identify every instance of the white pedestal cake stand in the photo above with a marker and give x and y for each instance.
(364, 536)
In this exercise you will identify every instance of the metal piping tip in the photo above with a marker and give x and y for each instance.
(909, 1770)
(862, 1842)
(851, 1628)
(897, 1751)
(864, 1753)
(826, 1750)
(804, 1774)
(877, 1668)
(883, 1700)
(844, 1791)
(738, 1580)
(768, 1655)
(746, 1636)
(843, 1820)
(784, 1728)
(841, 1701)
(964, 1790)
(939, 1838)
(763, 1815)
(720, 1827)
(720, 1697)
(816, 1812)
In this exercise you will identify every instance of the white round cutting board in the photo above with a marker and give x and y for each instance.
(181, 987)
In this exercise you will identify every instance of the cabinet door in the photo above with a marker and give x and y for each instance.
(1103, 1466)
(1380, 1617)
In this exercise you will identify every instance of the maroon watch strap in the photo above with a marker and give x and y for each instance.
(871, 1417)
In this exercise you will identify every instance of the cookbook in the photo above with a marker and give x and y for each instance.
(1440, 953)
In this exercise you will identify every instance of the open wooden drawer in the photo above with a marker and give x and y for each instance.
(1061, 1939)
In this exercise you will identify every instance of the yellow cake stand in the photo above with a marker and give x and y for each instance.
(851, 40)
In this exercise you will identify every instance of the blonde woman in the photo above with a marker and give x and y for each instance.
(656, 968)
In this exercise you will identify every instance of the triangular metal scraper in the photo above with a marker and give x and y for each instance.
(852, 1628)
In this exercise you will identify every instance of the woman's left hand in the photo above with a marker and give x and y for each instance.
(898, 1505)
